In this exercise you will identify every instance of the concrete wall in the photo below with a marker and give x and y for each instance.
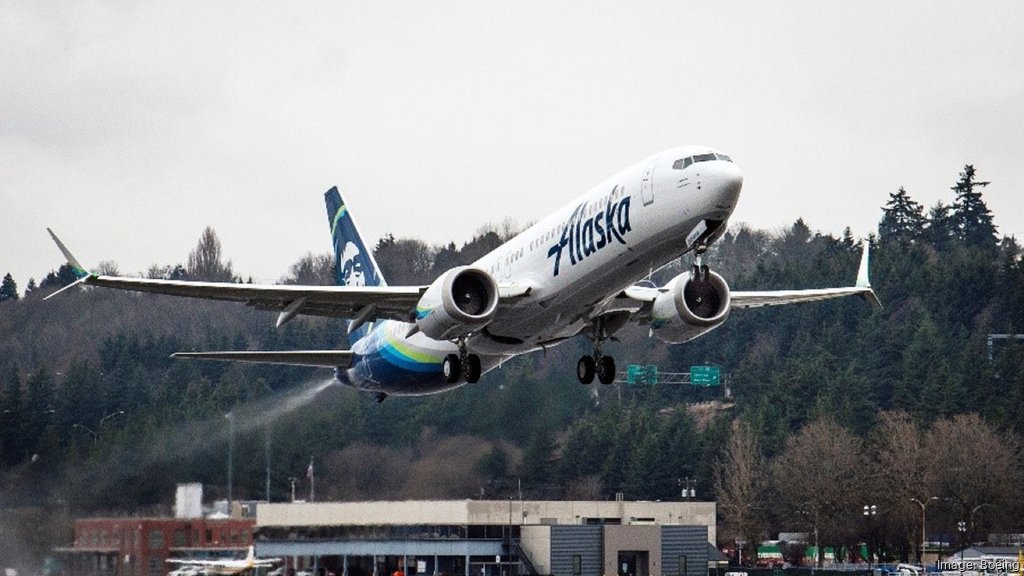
(632, 538)
(536, 543)
(383, 513)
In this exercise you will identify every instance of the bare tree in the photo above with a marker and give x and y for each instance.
(821, 478)
(905, 472)
(107, 268)
(312, 270)
(741, 483)
(977, 468)
(205, 262)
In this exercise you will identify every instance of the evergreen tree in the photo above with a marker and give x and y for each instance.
(939, 230)
(59, 279)
(39, 408)
(12, 413)
(971, 219)
(8, 289)
(903, 219)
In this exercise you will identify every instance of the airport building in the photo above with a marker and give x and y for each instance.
(489, 538)
(141, 546)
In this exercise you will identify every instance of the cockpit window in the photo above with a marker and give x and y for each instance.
(684, 163)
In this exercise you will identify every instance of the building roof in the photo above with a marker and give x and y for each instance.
(482, 512)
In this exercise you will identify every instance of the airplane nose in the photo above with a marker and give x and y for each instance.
(728, 182)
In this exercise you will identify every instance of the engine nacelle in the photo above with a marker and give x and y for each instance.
(459, 302)
(689, 308)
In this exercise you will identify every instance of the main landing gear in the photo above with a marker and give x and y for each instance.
(601, 366)
(463, 364)
(598, 364)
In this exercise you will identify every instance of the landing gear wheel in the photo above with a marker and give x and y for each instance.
(606, 370)
(585, 369)
(471, 369)
(451, 368)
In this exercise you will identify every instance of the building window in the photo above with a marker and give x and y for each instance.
(577, 565)
(682, 565)
(156, 540)
(179, 537)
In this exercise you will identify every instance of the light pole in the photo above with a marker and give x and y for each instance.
(95, 436)
(924, 533)
(688, 492)
(961, 527)
(870, 511)
(96, 433)
(111, 415)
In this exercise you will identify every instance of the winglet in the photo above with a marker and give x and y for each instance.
(80, 272)
(863, 281)
(76, 268)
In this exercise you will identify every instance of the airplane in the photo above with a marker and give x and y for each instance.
(226, 567)
(579, 271)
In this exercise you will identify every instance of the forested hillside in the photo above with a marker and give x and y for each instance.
(836, 403)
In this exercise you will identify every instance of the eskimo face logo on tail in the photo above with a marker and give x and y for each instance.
(584, 236)
(351, 266)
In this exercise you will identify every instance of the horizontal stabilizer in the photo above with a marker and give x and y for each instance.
(325, 358)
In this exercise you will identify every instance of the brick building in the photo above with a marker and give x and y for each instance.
(141, 546)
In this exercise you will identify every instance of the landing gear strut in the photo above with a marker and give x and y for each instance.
(598, 364)
(699, 270)
(462, 365)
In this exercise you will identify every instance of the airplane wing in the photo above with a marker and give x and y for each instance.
(862, 288)
(755, 299)
(365, 302)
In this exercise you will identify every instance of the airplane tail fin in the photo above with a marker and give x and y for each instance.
(353, 261)
(355, 264)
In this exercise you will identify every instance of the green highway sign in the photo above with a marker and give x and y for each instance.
(639, 375)
(705, 375)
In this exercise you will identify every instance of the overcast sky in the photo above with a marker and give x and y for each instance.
(130, 126)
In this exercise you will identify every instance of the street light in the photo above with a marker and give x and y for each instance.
(961, 527)
(96, 433)
(924, 534)
(95, 436)
(688, 492)
(111, 415)
(870, 511)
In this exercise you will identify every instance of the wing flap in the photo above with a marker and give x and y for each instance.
(322, 358)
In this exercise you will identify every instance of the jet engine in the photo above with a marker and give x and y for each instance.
(690, 306)
(460, 301)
